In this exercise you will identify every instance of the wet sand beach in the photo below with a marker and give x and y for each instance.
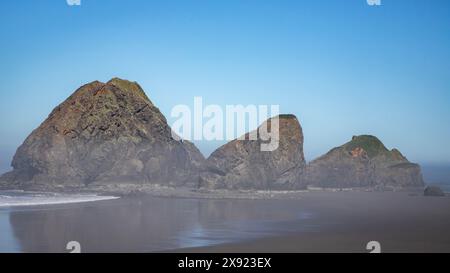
(347, 221)
(318, 221)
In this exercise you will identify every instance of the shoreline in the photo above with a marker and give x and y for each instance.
(131, 190)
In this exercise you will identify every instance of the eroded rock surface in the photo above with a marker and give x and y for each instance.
(243, 164)
(363, 162)
(104, 133)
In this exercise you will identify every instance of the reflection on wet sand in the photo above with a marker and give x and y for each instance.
(145, 224)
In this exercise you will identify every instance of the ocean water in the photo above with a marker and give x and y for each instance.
(140, 224)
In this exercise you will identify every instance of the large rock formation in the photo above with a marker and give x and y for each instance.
(363, 162)
(111, 133)
(242, 164)
(102, 134)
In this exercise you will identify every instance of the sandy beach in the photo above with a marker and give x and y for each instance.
(313, 221)
(347, 221)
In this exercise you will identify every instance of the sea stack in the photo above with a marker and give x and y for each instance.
(243, 165)
(363, 162)
(104, 133)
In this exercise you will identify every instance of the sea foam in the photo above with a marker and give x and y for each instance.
(21, 198)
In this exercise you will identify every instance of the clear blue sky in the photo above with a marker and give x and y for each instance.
(342, 66)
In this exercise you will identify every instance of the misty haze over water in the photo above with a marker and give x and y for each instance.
(437, 175)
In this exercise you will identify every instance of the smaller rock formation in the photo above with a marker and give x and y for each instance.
(363, 162)
(433, 191)
(241, 164)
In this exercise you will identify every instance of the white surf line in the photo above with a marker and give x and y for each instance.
(19, 201)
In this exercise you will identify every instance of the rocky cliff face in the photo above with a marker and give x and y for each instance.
(241, 164)
(104, 133)
(363, 162)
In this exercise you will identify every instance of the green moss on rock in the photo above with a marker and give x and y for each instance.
(129, 86)
(287, 116)
(371, 144)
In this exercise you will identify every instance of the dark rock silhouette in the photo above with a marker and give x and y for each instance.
(433, 191)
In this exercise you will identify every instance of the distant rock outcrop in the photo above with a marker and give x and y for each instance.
(104, 133)
(241, 164)
(433, 191)
(363, 162)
